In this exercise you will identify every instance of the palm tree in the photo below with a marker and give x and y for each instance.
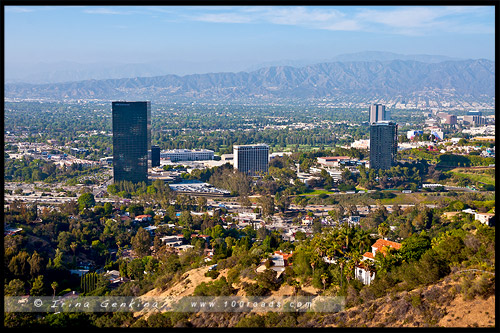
(383, 229)
(342, 261)
(363, 240)
(73, 247)
(345, 233)
(350, 270)
(324, 276)
(54, 286)
(369, 266)
(356, 256)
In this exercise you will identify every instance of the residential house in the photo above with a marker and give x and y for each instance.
(308, 220)
(362, 271)
(209, 254)
(485, 218)
(280, 261)
(115, 280)
(353, 221)
(143, 218)
(172, 241)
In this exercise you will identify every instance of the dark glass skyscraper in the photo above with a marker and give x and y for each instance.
(131, 141)
(155, 156)
(383, 144)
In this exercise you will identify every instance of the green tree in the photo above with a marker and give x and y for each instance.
(186, 219)
(141, 242)
(14, 288)
(54, 286)
(383, 229)
(86, 200)
(19, 265)
(38, 287)
(36, 264)
(267, 205)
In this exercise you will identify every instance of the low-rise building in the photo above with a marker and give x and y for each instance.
(143, 218)
(187, 155)
(484, 218)
(172, 241)
(333, 161)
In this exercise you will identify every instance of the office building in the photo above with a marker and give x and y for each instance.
(251, 159)
(474, 113)
(378, 113)
(187, 155)
(383, 144)
(131, 141)
(450, 119)
(155, 156)
(474, 120)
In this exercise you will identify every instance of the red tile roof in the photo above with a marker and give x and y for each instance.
(369, 255)
(379, 245)
(382, 242)
(286, 256)
(142, 216)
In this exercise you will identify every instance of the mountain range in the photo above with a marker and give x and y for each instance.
(470, 80)
(67, 71)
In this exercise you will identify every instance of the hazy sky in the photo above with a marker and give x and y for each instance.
(242, 33)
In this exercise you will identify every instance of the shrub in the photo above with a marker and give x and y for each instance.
(215, 288)
(253, 289)
(212, 273)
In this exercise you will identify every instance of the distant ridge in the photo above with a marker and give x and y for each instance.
(471, 80)
(67, 71)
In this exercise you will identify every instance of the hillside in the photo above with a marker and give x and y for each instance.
(439, 305)
(444, 304)
(467, 80)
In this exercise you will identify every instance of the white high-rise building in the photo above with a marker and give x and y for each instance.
(378, 113)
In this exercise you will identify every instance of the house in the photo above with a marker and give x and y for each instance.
(308, 220)
(484, 218)
(248, 216)
(143, 218)
(125, 218)
(362, 271)
(115, 280)
(184, 247)
(172, 241)
(353, 221)
(280, 260)
(209, 254)
(449, 215)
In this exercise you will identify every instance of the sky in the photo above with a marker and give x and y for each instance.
(251, 34)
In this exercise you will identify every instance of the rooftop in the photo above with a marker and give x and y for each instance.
(382, 242)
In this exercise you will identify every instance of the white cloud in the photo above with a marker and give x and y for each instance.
(405, 20)
(225, 18)
(106, 11)
(415, 20)
(17, 9)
